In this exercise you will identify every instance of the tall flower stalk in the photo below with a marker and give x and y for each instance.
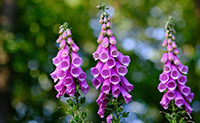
(109, 73)
(177, 95)
(68, 75)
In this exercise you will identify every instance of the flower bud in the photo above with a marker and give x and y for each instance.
(61, 30)
(101, 21)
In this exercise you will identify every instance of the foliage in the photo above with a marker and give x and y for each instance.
(32, 46)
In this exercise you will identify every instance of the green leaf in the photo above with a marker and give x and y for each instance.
(125, 114)
(120, 109)
(82, 100)
(69, 112)
(71, 121)
(182, 120)
(70, 102)
(114, 102)
(168, 116)
(77, 94)
(182, 112)
(84, 115)
(74, 107)
(76, 118)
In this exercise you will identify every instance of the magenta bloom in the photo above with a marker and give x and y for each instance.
(172, 80)
(110, 70)
(68, 72)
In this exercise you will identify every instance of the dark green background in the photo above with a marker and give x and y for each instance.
(27, 45)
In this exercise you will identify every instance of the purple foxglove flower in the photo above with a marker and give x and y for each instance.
(169, 41)
(110, 69)
(179, 100)
(115, 90)
(114, 78)
(166, 34)
(125, 60)
(105, 20)
(113, 51)
(65, 63)
(56, 60)
(173, 37)
(106, 86)
(104, 55)
(84, 86)
(111, 62)
(182, 80)
(97, 82)
(71, 90)
(164, 58)
(109, 18)
(164, 43)
(126, 95)
(184, 89)
(164, 77)
(59, 39)
(101, 21)
(100, 38)
(101, 98)
(167, 67)
(62, 44)
(109, 32)
(170, 56)
(96, 54)
(174, 45)
(61, 92)
(104, 26)
(74, 47)
(101, 112)
(125, 83)
(121, 70)
(65, 51)
(61, 31)
(105, 42)
(176, 60)
(105, 72)
(174, 72)
(162, 87)
(68, 66)
(109, 118)
(108, 25)
(188, 108)
(169, 48)
(69, 32)
(76, 60)
(95, 71)
(183, 69)
(59, 86)
(112, 40)
(75, 71)
(68, 80)
(64, 36)
(164, 101)
(176, 51)
(60, 73)
(54, 76)
(70, 41)
(82, 76)
(103, 32)
(170, 95)
(190, 97)
(171, 84)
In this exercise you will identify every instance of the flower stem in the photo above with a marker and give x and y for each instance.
(74, 108)
(173, 113)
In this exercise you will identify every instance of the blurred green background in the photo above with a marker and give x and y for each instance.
(27, 44)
